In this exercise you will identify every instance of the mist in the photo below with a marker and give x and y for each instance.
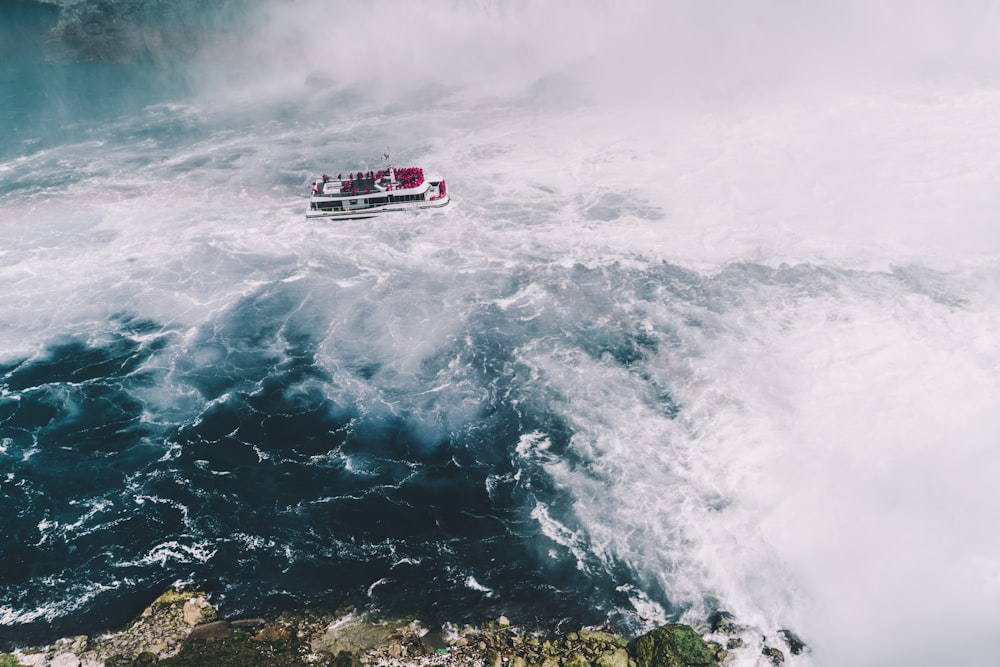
(679, 52)
(788, 128)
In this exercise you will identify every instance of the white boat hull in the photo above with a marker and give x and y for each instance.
(375, 211)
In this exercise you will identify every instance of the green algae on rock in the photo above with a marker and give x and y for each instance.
(672, 645)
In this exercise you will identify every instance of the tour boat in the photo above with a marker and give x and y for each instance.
(365, 194)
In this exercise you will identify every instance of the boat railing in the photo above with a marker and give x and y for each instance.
(369, 182)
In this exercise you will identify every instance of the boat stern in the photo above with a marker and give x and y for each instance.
(437, 190)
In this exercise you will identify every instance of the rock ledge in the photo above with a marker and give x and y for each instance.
(181, 629)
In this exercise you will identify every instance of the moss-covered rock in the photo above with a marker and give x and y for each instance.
(673, 645)
(598, 638)
(576, 660)
(164, 636)
(158, 632)
(236, 652)
(616, 658)
(355, 635)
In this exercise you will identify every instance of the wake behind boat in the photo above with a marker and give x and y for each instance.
(370, 193)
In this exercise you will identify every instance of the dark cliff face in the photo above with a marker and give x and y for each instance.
(68, 69)
(124, 30)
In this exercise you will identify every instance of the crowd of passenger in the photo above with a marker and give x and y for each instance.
(410, 177)
(405, 177)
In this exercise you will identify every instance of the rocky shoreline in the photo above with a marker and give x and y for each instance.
(182, 629)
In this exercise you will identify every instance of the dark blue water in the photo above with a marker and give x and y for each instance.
(274, 496)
